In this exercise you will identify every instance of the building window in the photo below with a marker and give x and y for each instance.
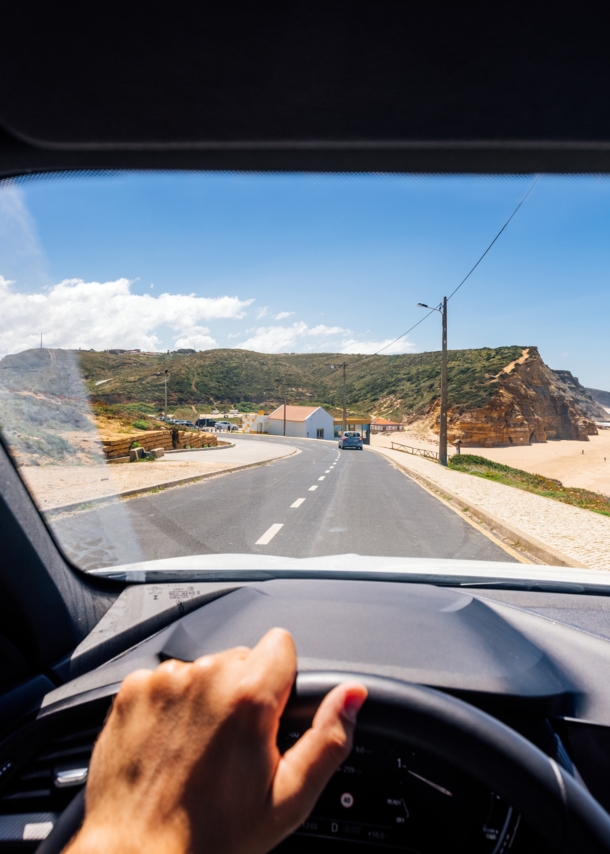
(320, 433)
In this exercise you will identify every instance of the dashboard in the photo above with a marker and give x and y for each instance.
(539, 662)
(388, 796)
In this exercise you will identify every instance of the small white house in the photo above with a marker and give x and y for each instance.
(303, 422)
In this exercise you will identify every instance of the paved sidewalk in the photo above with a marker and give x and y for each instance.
(54, 487)
(582, 536)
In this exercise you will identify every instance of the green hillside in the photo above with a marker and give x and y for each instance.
(391, 386)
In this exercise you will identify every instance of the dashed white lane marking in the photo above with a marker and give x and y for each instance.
(298, 502)
(269, 534)
(322, 477)
(312, 488)
(327, 471)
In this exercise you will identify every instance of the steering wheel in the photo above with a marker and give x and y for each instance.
(563, 812)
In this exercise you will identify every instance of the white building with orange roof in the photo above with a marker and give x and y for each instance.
(303, 422)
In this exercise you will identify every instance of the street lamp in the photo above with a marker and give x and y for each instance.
(165, 376)
(442, 433)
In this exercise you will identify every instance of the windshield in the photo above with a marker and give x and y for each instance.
(182, 355)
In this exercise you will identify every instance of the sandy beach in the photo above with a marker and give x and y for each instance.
(563, 460)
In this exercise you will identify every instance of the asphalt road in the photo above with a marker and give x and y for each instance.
(320, 501)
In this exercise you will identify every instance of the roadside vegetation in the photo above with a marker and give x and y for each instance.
(124, 417)
(536, 483)
(393, 386)
(43, 431)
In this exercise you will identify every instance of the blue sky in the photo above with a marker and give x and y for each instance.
(298, 263)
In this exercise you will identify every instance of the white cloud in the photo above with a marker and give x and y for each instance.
(321, 329)
(262, 312)
(299, 337)
(389, 347)
(101, 315)
(283, 314)
(20, 249)
(274, 339)
(197, 339)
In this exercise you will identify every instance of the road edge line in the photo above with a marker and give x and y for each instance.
(538, 549)
(224, 447)
(52, 511)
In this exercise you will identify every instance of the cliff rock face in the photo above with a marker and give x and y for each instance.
(531, 404)
(601, 397)
(583, 398)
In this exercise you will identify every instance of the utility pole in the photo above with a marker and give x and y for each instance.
(41, 340)
(334, 368)
(284, 413)
(166, 378)
(344, 366)
(442, 432)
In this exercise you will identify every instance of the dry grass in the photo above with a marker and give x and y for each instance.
(536, 483)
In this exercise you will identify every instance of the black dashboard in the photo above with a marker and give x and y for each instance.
(539, 662)
(390, 796)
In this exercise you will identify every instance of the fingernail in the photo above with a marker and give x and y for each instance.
(353, 704)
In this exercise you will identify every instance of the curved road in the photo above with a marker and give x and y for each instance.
(317, 502)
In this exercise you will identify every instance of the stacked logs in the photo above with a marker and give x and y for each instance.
(115, 449)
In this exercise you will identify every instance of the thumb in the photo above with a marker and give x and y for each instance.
(306, 768)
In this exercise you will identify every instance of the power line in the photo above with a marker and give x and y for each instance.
(537, 178)
(404, 333)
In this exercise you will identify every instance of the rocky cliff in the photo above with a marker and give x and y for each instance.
(530, 403)
(601, 397)
(582, 397)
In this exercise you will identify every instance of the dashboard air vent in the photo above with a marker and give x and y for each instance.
(40, 791)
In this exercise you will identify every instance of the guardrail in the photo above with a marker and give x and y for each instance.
(417, 452)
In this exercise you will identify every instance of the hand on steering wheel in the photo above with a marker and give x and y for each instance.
(182, 741)
(185, 742)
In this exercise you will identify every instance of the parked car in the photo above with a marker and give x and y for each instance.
(202, 423)
(183, 423)
(351, 439)
(223, 426)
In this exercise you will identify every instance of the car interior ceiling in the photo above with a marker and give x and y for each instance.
(339, 87)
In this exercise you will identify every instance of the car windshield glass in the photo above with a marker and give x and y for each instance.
(183, 354)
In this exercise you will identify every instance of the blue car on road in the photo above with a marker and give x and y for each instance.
(351, 439)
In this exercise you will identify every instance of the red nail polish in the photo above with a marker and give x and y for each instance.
(352, 706)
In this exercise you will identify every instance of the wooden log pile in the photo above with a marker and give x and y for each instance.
(166, 439)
